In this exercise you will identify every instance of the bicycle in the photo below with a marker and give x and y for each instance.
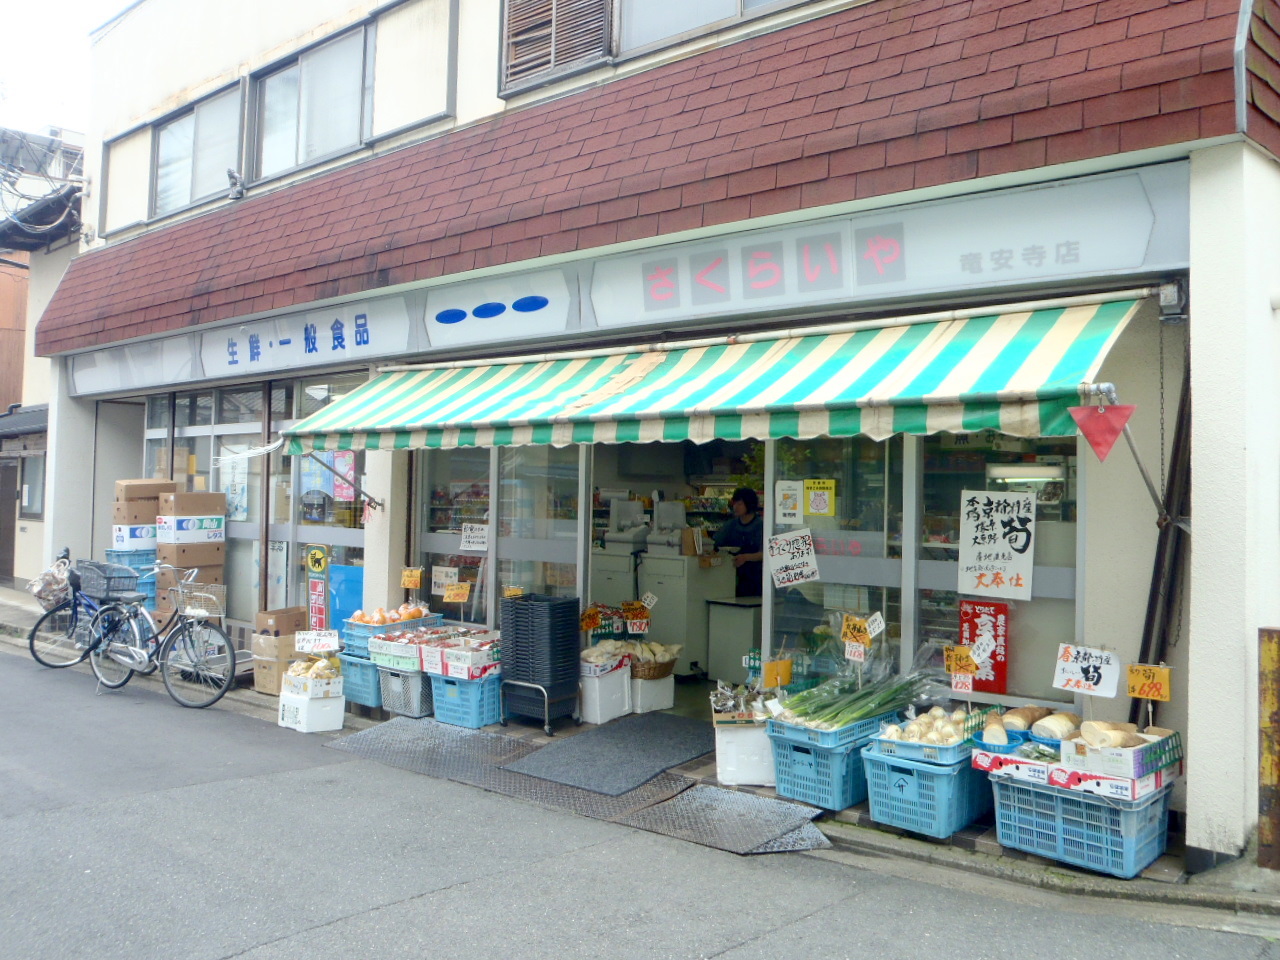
(196, 659)
(64, 636)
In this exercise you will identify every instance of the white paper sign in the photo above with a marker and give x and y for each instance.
(983, 647)
(649, 600)
(791, 558)
(787, 500)
(475, 538)
(1086, 670)
(997, 543)
(962, 683)
(875, 624)
(316, 641)
(856, 652)
(441, 577)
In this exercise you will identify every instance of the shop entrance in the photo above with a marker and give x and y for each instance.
(9, 496)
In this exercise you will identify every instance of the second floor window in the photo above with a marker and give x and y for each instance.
(311, 108)
(194, 152)
(545, 38)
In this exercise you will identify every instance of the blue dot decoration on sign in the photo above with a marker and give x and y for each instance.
(529, 304)
(487, 310)
(451, 316)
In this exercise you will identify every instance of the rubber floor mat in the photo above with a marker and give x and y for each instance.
(724, 819)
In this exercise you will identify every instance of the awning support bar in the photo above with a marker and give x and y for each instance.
(350, 481)
(1108, 391)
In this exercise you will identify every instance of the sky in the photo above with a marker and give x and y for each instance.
(44, 67)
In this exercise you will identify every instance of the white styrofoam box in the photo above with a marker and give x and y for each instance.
(432, 659)
(647, 695)
(309, 715)
(191, 529)
(606, 697)
(1019, 768)
(471, 673)
(314, 687)
(133, 536)
(1118, 788)
(744, 756)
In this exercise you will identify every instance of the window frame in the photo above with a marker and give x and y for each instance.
(621, 55)
(24, 513)
(254, 122)
(153, 175)
(507, 90)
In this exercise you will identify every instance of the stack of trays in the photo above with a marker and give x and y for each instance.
(540, 645)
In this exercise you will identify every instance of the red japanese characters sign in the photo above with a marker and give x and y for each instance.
(984, 627)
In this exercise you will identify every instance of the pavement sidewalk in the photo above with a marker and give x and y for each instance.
(1240, 887)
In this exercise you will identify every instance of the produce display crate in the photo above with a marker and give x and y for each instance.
(356, 636)
(405, 657)
(936, 753)
(1118, 837)
(360, 680)
(829, 777)
(830, 738)
(467, 703)
(136, 559)
(407, 694)
(928, 798)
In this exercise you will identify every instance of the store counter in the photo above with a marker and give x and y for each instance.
(733, 627)
(683, 586)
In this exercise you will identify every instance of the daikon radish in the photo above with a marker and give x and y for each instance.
(1158, 732)
(994, 732)
(1056, 726)
(1099, 733)
(1023, 717)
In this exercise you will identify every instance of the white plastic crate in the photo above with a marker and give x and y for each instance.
(311, 715)
(648, 695)
(606, 697)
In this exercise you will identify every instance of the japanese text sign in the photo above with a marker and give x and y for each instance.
(411, 578)
(441, 577)
(962, 683)
(854, 651)
(960, 660)
(649, 600)
(316, 641)
(854, 630)
(1149, 683)
(590, 619)
(820, 498)
(1086, 670)
(457, 592)
(787, 495)
(475, 538)
(791, 558)
(997, 543)
(984, 628)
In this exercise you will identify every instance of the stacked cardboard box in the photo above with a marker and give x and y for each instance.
(133, 518)
(190, 532)
(273, 646)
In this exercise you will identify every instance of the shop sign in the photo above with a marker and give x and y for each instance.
(787, 494)
(791, 558)
(997, 543)
(984, 630)
(168, 361)
(1147, 682)
(524, 306)
(346, 333)
(475, 538)
(317, 557)
(819, 498)
(1086, 670)
(442, 577)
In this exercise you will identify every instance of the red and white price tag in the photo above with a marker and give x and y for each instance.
(962, 683)
(855, 652)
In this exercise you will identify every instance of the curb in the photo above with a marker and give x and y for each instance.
(1052, 877)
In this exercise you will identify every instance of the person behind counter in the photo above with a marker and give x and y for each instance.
(746, 532)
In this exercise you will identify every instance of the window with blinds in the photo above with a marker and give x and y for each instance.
(547, 38)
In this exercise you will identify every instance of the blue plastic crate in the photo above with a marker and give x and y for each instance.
(1016, 739)
(934, 799)
(467, 703)
(827, 777)
(360, 682)
(132, 558)
(1118, 837)
(830, 738)
(355, 636)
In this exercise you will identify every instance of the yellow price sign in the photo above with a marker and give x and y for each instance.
(591, 619)
(411, 578)
(960, 660)
(457, 592)
(1149, 683)
(854, 630)
(513, 592)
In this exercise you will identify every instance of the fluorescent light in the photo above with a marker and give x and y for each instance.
(1024, 471)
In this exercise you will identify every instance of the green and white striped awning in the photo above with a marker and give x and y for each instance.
(1013, 372)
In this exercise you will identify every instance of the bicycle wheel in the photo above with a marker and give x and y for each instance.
(112, 630)
(198, 663)
(61, 637)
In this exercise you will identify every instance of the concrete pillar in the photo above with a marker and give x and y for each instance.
(1235, 465)
(386, 535)
(68, 469)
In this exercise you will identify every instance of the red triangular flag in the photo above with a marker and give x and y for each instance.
(1101, 426)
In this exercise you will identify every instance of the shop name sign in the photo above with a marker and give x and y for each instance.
(346, 333)
(1079, 228)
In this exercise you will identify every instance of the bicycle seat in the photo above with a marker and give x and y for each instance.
(130, 597)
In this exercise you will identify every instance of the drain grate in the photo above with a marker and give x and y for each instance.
(724, 819)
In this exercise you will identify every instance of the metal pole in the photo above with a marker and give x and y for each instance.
(373, 501)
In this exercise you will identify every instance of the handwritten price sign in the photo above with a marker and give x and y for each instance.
(457, 592)
(854, 630)
(316, 641)
(962, 683)
(591, 619)
(960, 661)
(411, 578)
(855, 652)
(1149, 683)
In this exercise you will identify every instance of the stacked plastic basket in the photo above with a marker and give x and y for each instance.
(141, 562)
(822, 767)
(362, 681)
(540, 647)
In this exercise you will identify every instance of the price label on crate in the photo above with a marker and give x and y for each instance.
(649, 600)
(854, 630)
(591, 619)
(457, 592)
(411, 578)
(316, 641)
(855, 652)
(960, 662)
(962, 683)
(1147, 682)
(637, 626)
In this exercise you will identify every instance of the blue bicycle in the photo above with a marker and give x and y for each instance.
(66, 635)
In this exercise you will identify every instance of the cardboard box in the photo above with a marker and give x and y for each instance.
(311, 715)
(270, 647)
(600, 669)
(135, 512)
(193, 504)
(188, 555)
(1006, 764)
(144, 489)
(316, 688)
(181, 529)
(209, 573)
(268, 674)
(278, 623)
(1115, 788)
(739, 719)
(133, 537)
(1129, 762)
(691, 539)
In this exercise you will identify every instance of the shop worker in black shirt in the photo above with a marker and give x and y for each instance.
(746, 532)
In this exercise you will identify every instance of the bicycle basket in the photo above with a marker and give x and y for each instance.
(207, 600)
(102, 580)
(51, 587)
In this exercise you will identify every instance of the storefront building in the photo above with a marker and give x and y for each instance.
(878, 251)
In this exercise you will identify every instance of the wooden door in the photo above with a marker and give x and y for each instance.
(8, 514)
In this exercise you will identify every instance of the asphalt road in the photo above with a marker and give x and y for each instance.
(132, 828)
